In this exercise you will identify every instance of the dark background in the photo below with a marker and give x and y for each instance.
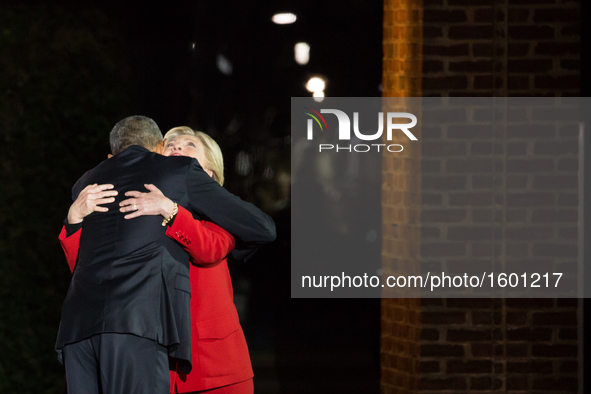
(71, 70)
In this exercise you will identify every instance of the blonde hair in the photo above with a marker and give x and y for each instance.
(213, 153)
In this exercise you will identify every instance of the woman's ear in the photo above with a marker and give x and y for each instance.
(160, 146)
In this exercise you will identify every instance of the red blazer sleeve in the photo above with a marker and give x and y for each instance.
(206, 243)
(70, 245)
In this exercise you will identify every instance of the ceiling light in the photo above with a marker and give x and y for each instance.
(318, 96)
(315, 84)
(284, 19)
(302, 53)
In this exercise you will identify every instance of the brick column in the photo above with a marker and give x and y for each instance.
(441, 195)
(401, 202)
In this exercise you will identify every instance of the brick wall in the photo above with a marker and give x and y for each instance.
(532, 46)
(507, 196)
(401, 203)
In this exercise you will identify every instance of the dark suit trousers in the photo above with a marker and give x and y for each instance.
(112, 363)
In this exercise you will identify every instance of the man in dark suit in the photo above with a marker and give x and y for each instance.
(127, 308)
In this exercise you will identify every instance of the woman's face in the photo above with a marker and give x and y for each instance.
(187, 145)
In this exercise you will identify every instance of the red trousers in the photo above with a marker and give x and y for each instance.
(245, 387)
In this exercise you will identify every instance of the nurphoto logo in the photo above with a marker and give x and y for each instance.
(345, 130)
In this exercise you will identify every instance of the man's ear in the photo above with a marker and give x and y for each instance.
(109, 156)
(160, 146)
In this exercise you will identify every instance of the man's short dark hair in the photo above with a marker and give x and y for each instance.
(134, 130)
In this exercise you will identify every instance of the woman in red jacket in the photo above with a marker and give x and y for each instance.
(221, 363)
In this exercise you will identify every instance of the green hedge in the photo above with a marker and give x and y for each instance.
(62, 88)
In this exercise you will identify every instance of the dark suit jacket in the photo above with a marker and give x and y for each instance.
(131, 278)
(219, 349)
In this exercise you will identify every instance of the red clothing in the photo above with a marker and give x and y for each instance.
(246, 387)
(219, 350)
